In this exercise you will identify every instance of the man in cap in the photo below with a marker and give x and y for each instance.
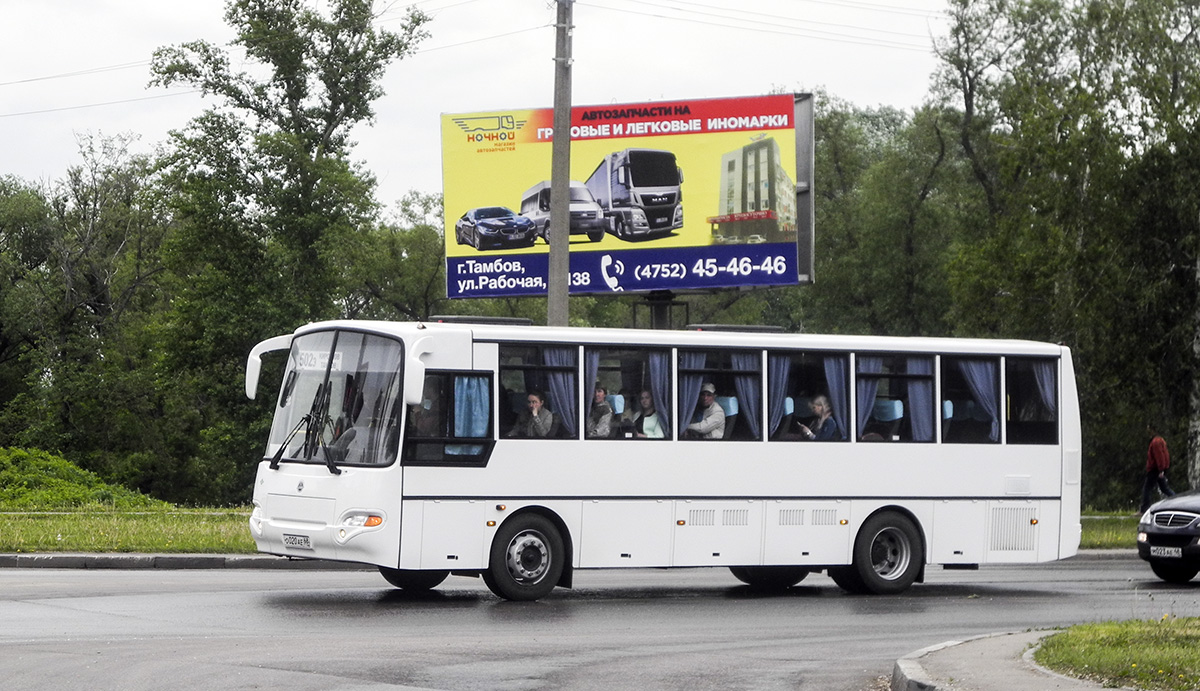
(712, 418)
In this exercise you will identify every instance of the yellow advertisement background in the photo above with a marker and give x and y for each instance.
(497, 173)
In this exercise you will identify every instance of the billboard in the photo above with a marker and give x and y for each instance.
(678, 196)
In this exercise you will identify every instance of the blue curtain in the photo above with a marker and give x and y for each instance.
(472, 405)
(561, 387)
(867, 387)
(981, 379)
(779, 367)
(836, 369)
(1043, 374)
(748, 383)
(689, 385)
(660, 386)
(920, 398)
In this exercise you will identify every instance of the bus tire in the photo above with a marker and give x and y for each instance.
(406, 579)
(887, 555)
(769, 577)
(526, 560)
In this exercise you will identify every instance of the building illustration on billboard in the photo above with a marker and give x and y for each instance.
(746, 222)
(756, 201)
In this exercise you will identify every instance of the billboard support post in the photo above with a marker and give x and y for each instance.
(560, 174)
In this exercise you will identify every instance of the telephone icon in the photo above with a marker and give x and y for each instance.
(610, 278)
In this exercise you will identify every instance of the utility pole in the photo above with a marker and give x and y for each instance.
(560, 173)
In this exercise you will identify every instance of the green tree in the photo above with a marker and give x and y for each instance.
(86, 283)
(1067, 109)
(271, 209)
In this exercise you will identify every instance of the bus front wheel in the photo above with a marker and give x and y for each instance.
(406, 579)
(769, 577)
(526, 560)
(887, 556)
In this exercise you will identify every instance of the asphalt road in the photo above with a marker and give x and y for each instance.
(645, 629)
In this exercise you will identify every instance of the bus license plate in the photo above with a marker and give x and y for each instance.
(1176, 552)
(297, 541)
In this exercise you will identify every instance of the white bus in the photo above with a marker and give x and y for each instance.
(408, 446)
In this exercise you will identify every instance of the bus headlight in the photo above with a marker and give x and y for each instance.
(357, 522)
(362, 520)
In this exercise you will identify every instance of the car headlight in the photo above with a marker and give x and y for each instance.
(1145, 518)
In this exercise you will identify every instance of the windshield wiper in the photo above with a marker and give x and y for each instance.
(283, 447)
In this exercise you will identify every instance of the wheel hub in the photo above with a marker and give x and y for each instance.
(528, 556)
(890, 553)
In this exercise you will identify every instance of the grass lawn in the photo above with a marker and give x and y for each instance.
(1162, 654)
(206, 531)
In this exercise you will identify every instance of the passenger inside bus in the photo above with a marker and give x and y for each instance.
(647, 424)
(600, 417)
(711, 423)
(823, 427)
(537, 422)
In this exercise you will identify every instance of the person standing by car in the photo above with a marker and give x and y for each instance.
(1158, 459)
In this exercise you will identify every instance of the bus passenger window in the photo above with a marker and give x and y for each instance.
(972, 385)
(807, 396)
(720, 394)
(895, 397)
(636, 383)
(1032, 400)
(452, 425)
(539, 379)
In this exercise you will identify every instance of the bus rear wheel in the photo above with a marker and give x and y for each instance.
(526, 560)
(887, 556)
(769, 577)
(406, 579)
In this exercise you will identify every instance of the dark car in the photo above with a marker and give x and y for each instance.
(1168, 537)
(494, 226)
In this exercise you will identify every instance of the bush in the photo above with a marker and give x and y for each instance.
(32, 480)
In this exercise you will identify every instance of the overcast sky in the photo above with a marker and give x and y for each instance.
(79, 67)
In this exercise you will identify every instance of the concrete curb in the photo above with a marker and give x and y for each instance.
(909, 675)
(48, 560)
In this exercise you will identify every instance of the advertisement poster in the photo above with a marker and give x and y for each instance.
(679, 195)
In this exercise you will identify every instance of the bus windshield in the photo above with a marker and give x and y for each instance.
(339, 403)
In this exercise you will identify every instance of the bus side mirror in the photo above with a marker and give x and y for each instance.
(414, 371)
(680, 171)
(254, 361)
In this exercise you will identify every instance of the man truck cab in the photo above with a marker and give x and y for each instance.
(640, 192)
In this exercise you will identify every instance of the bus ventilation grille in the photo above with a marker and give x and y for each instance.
(1012, 529)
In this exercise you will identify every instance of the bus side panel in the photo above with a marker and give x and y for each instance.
(625, 533)
(957, 532)
(711, 533)
(799, 533)
(454, 534)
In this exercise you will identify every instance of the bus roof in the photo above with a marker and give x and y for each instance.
(692, 339)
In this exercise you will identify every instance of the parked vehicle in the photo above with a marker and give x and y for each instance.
(640, 192)
(494, 226)
(586, 215)
(1169, 537)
